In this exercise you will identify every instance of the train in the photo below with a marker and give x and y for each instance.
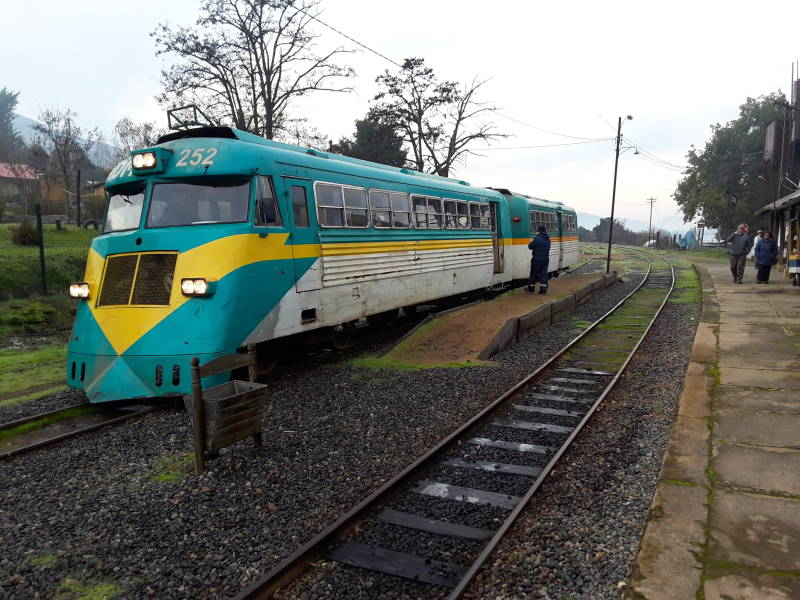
(215, 239)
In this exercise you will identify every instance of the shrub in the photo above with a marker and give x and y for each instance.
(25, 234)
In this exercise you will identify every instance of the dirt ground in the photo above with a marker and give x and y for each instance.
(457, 338)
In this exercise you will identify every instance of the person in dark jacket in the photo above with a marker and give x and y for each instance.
(766, 256)
(739, 244)
(540, 257)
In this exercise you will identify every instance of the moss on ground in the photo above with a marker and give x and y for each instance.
(171, 468)
(687, 287)
(72, 589)
(43, 560)
(384, 362)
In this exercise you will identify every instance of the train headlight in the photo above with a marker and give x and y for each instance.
(144, 160)
(79, 290)
(196, 286)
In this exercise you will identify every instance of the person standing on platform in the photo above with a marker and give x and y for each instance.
(540, 258)
(739, 244)
(766, 256)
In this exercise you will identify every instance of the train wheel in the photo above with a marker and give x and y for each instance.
(343, 336)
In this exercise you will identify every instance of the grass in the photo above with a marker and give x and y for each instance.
(171, 468)
(687, 287)
(37, 314)
(65, 259)
(43, 560)
(26, 374)
(43, 422)
(376, 363)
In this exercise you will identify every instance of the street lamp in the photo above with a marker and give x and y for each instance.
(614, 193)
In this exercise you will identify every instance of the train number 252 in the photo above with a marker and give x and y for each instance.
(196, 157)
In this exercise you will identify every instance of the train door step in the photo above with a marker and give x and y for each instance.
(530, 426)
(400, 564)
(494, 467)
(463, 494)
(404, 519)
(515, 446)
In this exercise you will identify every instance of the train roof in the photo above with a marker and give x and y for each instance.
(244, 136)
(555, 204)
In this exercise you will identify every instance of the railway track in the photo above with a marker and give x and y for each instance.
(55, 426)
(438, 521)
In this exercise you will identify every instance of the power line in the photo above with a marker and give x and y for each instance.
(653, 156)
(547, 145)
(396, 64)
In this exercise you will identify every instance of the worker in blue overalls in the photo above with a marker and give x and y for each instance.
(540, 250)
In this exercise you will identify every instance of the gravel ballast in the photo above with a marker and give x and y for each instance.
(119, 508)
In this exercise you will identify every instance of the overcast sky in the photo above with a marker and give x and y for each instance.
(571, 67)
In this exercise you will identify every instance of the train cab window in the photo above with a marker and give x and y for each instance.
(401, 210)
(380, 209)
(199, 202)
(420, 211)
(435, 216)
(450, 214)
(267, 212)
(124, 209)
(475, 215)
(299, 206)
(463, 215)
(355, 207)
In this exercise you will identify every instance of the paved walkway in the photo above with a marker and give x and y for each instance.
(725, 520)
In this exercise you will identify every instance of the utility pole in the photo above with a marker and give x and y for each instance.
(614, 193)
(650, 201)
(78, 198)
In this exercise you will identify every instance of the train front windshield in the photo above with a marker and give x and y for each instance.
(175, 204)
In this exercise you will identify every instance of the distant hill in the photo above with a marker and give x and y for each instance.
(101, 154)
(673, 224)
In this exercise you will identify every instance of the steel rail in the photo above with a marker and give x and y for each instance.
(514, 514)
(287, 570)
(23, 420)
(75, 433)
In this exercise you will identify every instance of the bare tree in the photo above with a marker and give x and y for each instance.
(439, 121)
(66, 144)
(129, 135)
(260, 57)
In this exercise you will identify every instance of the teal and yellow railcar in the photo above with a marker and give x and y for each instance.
(216, 238)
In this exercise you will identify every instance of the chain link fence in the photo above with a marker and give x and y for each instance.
(42, 254)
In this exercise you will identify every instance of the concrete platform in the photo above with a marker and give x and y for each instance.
(732, 468)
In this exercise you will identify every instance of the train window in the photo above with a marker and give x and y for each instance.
(463, 215)
(485, 210)
(435, 217)
(329, 204)
(475, 215)
(299, 206)
(380, 208)
(420, 211)
(401, 210)
(223, 200)
(267, 212)
(450, 214)
(124, 209)
(355, 207)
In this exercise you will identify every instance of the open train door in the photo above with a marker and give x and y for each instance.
(498, 249)
(303, 242)
(560, 239)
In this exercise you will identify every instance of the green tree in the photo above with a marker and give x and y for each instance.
(10, 142)
(728, 180)
(439, 121)
(375, 140)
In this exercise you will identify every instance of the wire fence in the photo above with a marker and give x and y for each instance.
(41, 255)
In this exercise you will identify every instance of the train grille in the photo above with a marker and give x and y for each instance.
(138, 279)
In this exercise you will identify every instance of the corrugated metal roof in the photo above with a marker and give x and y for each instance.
(15, 171)
(780, 204)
